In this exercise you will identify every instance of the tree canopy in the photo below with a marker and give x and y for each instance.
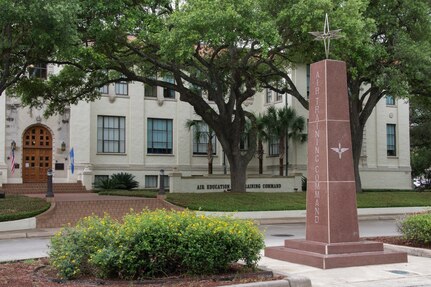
(31, 33)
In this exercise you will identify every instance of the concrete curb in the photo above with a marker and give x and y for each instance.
(20, 224)
(32, 233)
(292, 281)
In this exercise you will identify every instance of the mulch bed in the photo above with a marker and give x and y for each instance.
(38, 273)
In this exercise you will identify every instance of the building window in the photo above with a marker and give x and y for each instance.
(159, 136)
(273, 146)
(122, 88)
(111, 134)
(38, 71)
(151, 181)
(201, 135)
(390, 100)
(308, 80)
(391, 140)
(166, 181)
(278, 97)
(104, 89)
(150, 91)
(169, 93)
(268, 98)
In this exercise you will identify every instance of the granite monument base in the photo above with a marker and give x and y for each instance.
(334, 255)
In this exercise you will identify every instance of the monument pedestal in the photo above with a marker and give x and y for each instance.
(332, 232)
(336, 255)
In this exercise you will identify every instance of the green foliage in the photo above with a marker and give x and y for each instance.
(14, 207)
(154, 244)
(420, 138)
(106, 184)
(120, 180)
(32, 32)
(72, 248)
(417, 228)
(138, 193)
(125, 180)
(264, 201)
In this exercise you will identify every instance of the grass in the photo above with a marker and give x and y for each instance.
(15, 207)
(138, 192)
(260, 201)
(230, 201)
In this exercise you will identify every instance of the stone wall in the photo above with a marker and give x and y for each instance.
(221, 183)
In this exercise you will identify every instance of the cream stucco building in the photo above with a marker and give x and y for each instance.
(141, 130)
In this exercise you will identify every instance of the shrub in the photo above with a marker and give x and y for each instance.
(120, 180)
(125, 180)
(153, 244)
(105, 183)
(417, 228)
(71, 248)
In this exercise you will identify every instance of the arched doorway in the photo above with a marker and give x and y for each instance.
(36, 154)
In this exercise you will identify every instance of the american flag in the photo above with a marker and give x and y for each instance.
(12, 161)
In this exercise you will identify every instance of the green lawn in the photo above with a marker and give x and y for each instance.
(15, 207)
(137, 192)
(260, 201)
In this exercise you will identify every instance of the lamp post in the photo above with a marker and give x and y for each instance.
(49, 192)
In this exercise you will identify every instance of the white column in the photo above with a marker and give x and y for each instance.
(80, 138)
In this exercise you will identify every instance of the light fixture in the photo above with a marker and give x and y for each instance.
(63, 146)
(13, 145)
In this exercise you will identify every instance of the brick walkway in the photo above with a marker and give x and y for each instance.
(69, 208)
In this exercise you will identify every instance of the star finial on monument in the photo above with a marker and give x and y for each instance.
(327, 35)
(339, 150)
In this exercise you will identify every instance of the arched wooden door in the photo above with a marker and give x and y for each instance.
(37, 154)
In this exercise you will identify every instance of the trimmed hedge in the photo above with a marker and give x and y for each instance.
(417, 228)
(159, 243)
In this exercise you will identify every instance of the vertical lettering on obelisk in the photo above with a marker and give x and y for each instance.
(316, 168)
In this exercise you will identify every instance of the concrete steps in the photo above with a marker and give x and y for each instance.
(32, 188)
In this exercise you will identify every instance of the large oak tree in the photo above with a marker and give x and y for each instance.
(31, 32)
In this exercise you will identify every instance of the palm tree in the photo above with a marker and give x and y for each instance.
(262, 136)
(282, 123)
(202, 132)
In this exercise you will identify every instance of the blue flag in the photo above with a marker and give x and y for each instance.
(72, 160)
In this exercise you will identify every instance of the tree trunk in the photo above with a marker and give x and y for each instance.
(357, 137)
(210, 155)
(210, 166)
(281, 155)
(238, 176)
(287, 157)
(260, 156)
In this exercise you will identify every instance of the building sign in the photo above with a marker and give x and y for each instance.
(317, 140)
(226, 187)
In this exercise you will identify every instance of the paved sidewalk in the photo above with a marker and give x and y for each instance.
(416, 272)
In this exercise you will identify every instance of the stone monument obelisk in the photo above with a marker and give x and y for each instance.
(332, 233)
